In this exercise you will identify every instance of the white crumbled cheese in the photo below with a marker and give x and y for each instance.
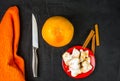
(78, 62)
(85, 63)
(75, 53)
(74, 73)
(74, 63)
(87, 59)
(86, 67)
(74, 66)
(84, 54)
(66, 57)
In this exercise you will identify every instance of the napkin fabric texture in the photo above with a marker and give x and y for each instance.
(11, 65)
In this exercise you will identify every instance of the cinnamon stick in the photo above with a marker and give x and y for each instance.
(97, 35)
(93, 44)
(88, 39)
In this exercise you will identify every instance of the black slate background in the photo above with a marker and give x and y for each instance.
(83, 14)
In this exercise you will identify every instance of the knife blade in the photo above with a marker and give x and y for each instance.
(34, 46)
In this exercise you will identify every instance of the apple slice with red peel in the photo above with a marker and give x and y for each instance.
(92, 63)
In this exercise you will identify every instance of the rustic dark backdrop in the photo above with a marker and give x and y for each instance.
(83, 14)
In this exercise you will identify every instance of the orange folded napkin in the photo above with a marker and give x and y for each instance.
(11, 65)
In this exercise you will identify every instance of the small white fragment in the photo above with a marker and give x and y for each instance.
(74, 63)
(75, 53)
(74, 73)
(87, 59)
(86, 67)
(84, 54)
(66, 57)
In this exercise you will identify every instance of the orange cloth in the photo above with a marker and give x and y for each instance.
(11, 65)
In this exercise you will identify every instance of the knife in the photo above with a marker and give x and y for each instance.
(34, 46)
